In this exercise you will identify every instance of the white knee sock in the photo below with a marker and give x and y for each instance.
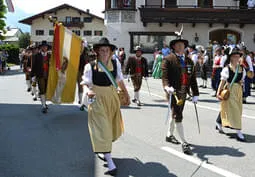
(109, 160)
(171, 127)
(80, 97)
(239, 134)
(135, 95)
(179, 128)
(138, 96)
(43, 101)
(34, 91)
(28, 84)
(84, 100)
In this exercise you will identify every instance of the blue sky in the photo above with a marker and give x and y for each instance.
(13, 18)
(27, 8)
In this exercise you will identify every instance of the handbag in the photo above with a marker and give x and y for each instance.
(225, 93)
(122, 96)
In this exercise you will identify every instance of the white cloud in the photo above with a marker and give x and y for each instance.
(36, 6)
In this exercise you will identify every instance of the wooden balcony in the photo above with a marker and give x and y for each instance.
(73, 24)
(184, 14)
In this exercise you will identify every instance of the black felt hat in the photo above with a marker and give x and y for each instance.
(179, 39)
(104, 42)
(45, 43)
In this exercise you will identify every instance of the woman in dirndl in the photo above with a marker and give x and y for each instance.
(104, 116)
(231, 109)
(157, 70)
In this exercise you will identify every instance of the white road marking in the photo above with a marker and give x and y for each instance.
(198, 105)
(198, 162)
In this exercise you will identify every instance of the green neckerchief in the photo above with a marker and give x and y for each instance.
(235, 76)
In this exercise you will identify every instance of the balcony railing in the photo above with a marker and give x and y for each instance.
(196, 6)
(73, 24)
(191, 14)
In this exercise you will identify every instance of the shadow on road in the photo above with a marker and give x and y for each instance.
(203, 151)
(34, 144)
(130, 107)
(12, 72)
(156, 105)
(160, 100)
(249, 138)
(134, 167)
(209, 100)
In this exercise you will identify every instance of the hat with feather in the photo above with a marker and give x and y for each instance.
(179, 39)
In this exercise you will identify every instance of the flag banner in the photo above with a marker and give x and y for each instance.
(10, 6)
(64, 65)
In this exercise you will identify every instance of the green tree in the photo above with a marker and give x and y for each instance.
(2, 18)
(24, 40)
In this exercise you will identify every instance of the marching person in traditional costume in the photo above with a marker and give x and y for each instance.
(84, 59)
(104, 115)
(27, 65)
(137, 67)
(246, 62)
(157, 70)
(204, 67)
(178, 77)
(35, 51)
(41, 70)
(217, 68)
(232, 77)
(193, 54)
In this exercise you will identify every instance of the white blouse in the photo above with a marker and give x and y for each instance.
(225, 74)
(87, 75)
(249, 62)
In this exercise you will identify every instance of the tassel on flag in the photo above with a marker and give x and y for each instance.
(9, 5)
(64, 65)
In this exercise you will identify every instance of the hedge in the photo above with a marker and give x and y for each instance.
(13, 52)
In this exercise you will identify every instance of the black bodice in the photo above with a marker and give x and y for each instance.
(100, 78)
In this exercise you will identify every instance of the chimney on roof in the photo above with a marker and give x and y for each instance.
(87, 11)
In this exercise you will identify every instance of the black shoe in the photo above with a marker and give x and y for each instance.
(32, 94)
(47, 107)
(82, 108)
(201, 86)
(205, 86)
(44, 110)
(241, 139)
(111, 172)
(186, 149)
(172, 139)
(29, 90)
(219, 130)
(35, 99)
(244, 101)
(134, 100)
(79, 102)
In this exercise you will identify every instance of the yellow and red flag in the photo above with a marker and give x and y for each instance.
(64, 65)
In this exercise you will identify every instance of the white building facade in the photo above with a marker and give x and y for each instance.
(150, 23)
(86, 25)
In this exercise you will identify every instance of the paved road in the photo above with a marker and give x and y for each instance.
(58, 144)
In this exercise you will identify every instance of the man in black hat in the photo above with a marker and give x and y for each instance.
(137, 67)
(40, 70)
(193, 53)
(178, 77)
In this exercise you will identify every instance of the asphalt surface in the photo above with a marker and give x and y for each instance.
(58, 145)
